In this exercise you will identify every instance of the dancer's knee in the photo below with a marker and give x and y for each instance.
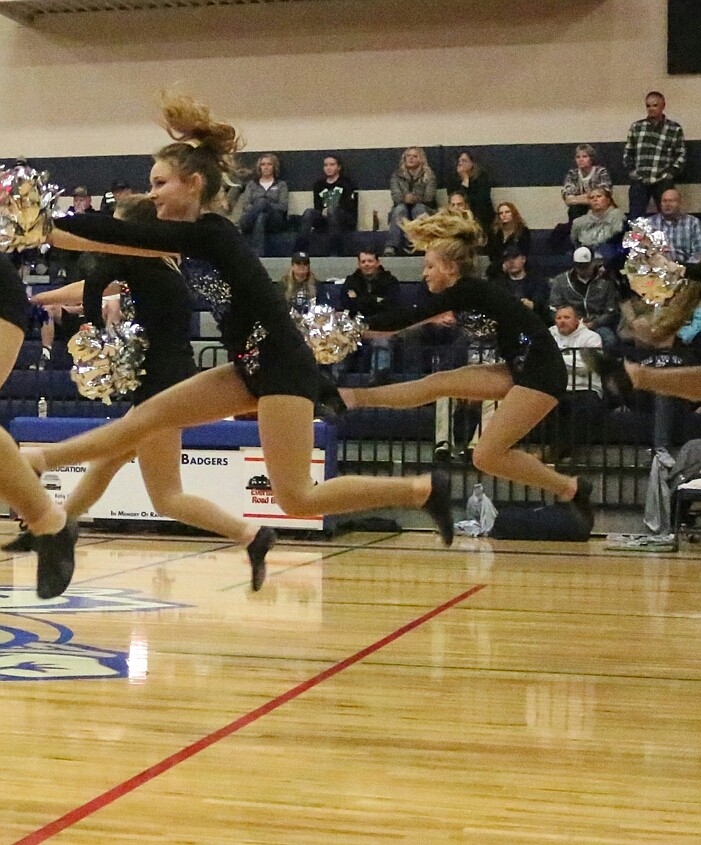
(295, 501)
(487, 458)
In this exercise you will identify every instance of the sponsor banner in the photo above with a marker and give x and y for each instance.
(236, 479)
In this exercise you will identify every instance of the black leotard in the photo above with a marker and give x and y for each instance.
(238, 289)
(522, 338)
(162, 305)
(14, 305)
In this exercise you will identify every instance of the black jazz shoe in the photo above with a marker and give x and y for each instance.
(56, 553)
(257, 549)
(439, 505)
(611, 371)
(23, 542)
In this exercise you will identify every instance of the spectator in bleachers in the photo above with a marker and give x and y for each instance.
(472, 182)
(82, 201)
(369, 291)
(654, 155)
(413, 187)
(582, 404)
(58, 322)
(507, 228)
(588, 288)
(335, 207)
(120, 189)
(265, 201)
(682, 231)
(526, 285)
(582, 178)
(299, 282)
(601, 228)
(65, 266)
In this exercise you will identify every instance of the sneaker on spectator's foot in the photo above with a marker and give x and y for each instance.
(439, 505)
(441, 453)
(56, 553)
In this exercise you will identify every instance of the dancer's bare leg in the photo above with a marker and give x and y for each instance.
(520, 410)
(287, 436)
(19, 486)
(93, 484)
(206, 397)
(159, 459)
(517, 414)
(477, 382)
(684, 382)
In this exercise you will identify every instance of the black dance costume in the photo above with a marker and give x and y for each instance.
(265, 346)
(14, 305)
(162, 305)
(522, 338)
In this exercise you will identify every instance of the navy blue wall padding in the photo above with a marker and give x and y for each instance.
(508, 165)
(558, 522)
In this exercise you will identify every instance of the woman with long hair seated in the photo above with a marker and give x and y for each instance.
(508, 228)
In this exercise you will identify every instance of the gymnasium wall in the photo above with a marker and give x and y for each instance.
(518, 81)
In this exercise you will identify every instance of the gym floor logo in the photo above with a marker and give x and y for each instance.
(36, 649)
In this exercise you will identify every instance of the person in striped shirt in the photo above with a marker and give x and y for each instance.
(654, 155)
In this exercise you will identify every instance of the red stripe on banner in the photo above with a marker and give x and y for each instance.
(122, 789)
(261, 460)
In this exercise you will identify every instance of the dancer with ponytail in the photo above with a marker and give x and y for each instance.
(273, 371)
(163, 307)
(528, 385)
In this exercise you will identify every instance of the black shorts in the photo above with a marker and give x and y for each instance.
(542, 369)
(285, 370)
(14, 305)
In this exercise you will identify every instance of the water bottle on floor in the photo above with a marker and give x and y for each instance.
(42, 408)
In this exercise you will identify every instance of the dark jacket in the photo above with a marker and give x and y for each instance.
(532, 287)
(379, 294)
(340, 193)
(496, 245)
(478, 195)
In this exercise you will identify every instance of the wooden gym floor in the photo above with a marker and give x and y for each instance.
(379, 689)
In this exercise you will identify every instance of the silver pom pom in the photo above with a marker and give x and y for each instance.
(331, 335)
(26, 201)
(651, 272)
(108, 363)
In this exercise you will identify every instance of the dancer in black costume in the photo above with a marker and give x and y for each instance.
(529, 383)
(273, 370)
(163, 306)
(54, 535)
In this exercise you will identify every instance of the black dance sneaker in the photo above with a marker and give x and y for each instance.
(441, 454)
(23, 542)
(582, 500)
(611, 371)
(257, 549)
(56, 553)
(439, 505)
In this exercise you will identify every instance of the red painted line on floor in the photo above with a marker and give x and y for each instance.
(122, 789)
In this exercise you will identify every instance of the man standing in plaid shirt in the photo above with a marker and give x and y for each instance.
(654, 156)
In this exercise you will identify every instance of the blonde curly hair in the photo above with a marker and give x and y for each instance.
(201, 144)
(455, 237)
